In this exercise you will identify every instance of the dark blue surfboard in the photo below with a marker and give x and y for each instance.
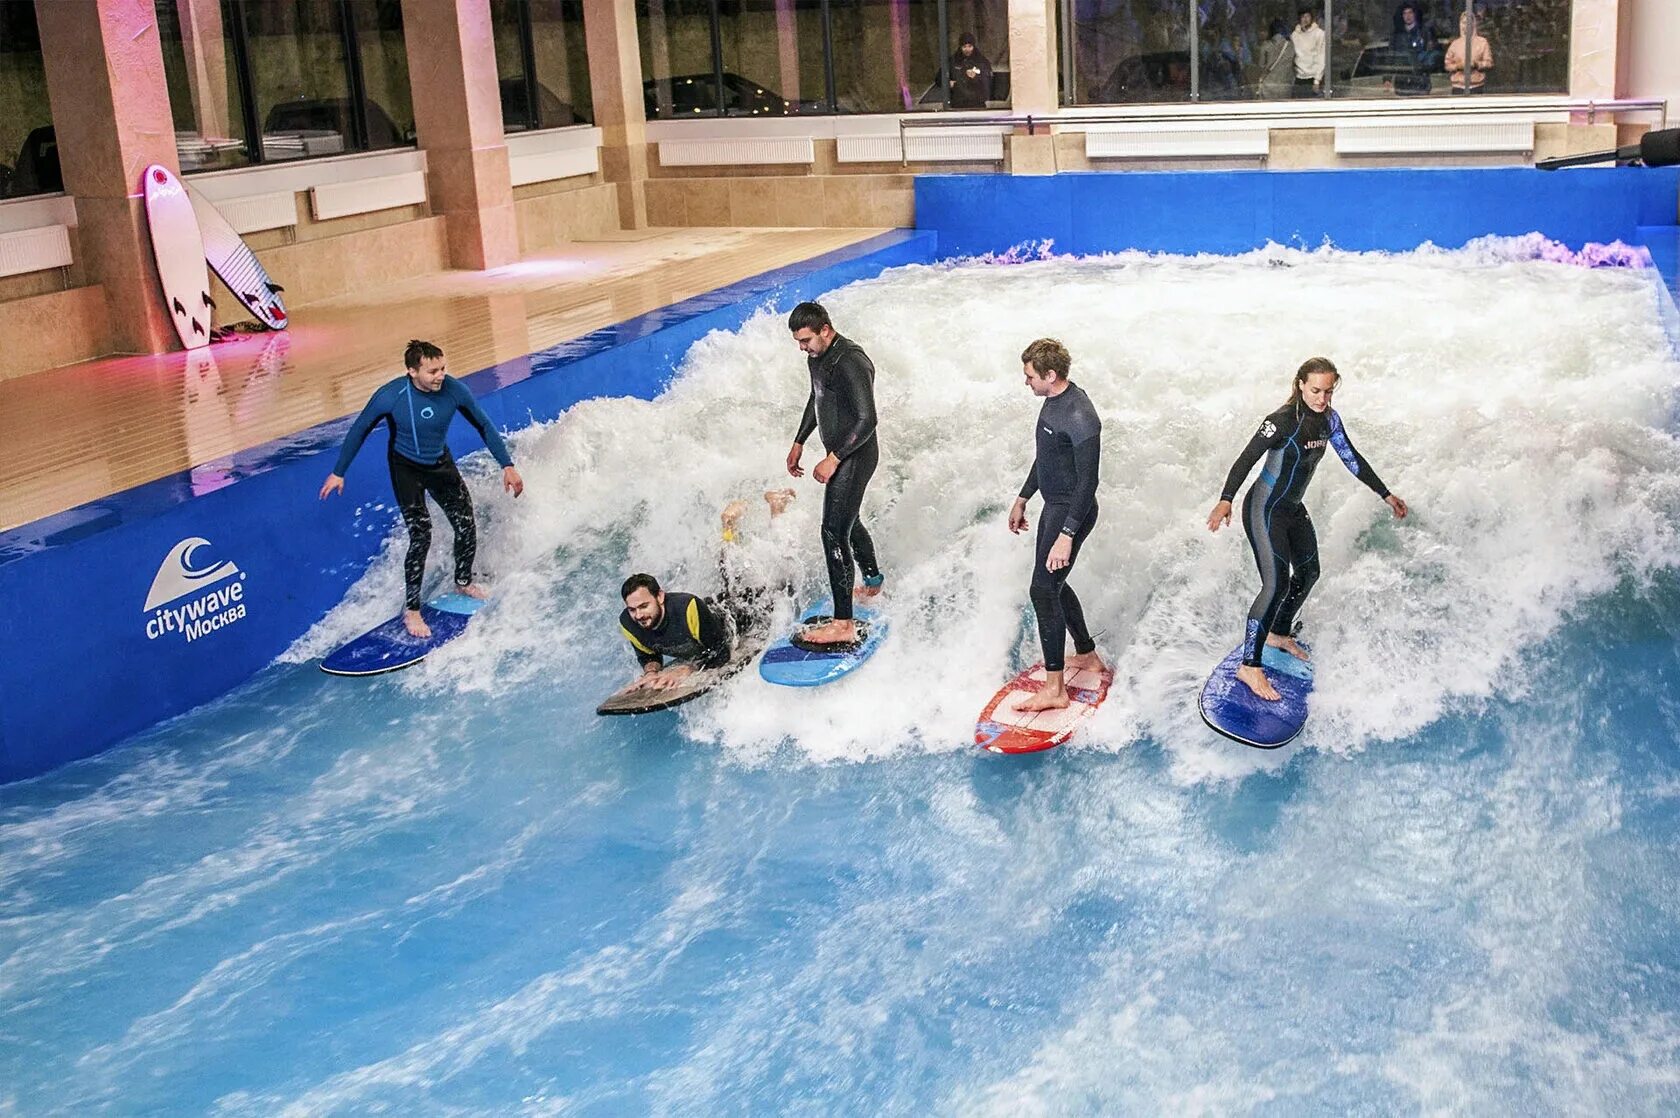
(788, 665)
(1232, 709)
(389, 647)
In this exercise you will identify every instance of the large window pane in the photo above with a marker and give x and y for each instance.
(772, 57)
(28, 149)
(198, 66)
(677, 61)
(298, 77)
(562, 64)
(1414, 49)
(507, 28)
(886, 55)
(388, 102)
(1130, 51)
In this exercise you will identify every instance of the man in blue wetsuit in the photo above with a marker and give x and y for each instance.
(1064, 469)
(418, 407)
(841, 408)
(660, 623)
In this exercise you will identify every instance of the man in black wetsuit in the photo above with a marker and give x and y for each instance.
(1069, 454)
(659, 624)
(841, 408)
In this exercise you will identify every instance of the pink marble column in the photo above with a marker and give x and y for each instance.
(615, 80)
(110, 107)
(458, 119)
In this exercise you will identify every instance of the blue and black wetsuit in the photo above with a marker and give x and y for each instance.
(1069, 444)
(691, 629)
(1279, 530)
(421, 463)
(841, 408)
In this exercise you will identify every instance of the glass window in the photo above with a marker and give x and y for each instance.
(887, 55)
(542, 64)
(310, 77)
(299, 80)
(388, 106)
(772, 57)
(678, 64)
(978, 73)
(28, 149)
(562, 64)
(204, 95)
(1127, 51)
(1415, 48)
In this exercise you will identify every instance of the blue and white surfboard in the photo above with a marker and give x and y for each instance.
(1229, 707)
(390, 646)
(788, 665)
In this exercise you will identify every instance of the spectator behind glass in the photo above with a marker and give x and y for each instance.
(1310, 55)
(1415, 37)
(1277, 65)
(971, 75)
(1481, 58)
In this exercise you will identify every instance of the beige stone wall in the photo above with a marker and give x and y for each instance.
(57, 328)
(323, 267)
(551, 214)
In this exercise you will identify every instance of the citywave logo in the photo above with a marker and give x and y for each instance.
(208, 600)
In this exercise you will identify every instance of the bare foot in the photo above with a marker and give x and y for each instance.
(473, 590)
(1051, 696)
(1258, 683)
(778, 500)
(830, 632)
(1288, 645)
(416, 625)
(1086, 661)
(732, 514)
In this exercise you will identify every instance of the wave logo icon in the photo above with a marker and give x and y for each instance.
(177, 577)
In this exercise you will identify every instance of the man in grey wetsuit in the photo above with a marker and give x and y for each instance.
(1065, 468)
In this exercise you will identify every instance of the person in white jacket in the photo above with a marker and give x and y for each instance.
(1310, 55)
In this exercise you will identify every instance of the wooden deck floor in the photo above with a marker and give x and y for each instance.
(86, 431)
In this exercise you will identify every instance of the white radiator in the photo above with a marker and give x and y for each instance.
(341, 199)
(34, 250)
(254, 212)
(1399, 137)
(869, 149)
(758, 150)
(954, 145)
(550, 165)
(1179, 140)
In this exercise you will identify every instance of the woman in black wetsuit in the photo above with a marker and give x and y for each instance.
(1292, 439)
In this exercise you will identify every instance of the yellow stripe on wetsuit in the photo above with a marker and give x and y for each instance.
(639, 646)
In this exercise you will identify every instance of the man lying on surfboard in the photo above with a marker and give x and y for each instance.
(1069, 451)
(660, 624)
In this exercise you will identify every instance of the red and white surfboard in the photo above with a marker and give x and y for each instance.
(1005, 728)
(236, 265)
(179, 251)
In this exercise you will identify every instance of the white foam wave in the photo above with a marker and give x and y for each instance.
(1522, 407)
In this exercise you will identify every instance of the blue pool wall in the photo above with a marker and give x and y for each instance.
(80, 672)
(1236, 211)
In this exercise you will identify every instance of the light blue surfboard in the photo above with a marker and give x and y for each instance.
(786, 664)
(1232, 709)
(389, 646)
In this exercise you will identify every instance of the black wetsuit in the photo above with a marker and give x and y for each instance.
(1279, 530)
(692, 630)
(1069, 437)
(841, 408)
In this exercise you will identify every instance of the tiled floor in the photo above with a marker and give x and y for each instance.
(86, 431)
